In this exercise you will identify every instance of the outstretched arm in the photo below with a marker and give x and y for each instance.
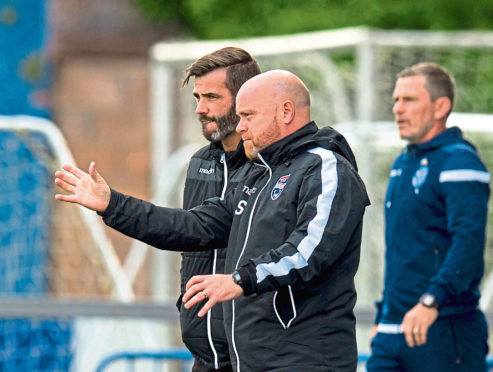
(87, 189)
(201, 228)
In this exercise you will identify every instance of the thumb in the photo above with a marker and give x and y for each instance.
(94, 173)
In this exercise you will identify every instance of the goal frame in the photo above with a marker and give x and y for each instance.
(122, 289)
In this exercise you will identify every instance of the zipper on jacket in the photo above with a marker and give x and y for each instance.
(239, 258)
(214, 262)
(226, 175)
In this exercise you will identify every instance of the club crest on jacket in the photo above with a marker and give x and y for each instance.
(279, 186)
(420, 176)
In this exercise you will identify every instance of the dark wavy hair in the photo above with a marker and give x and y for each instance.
(240, 66)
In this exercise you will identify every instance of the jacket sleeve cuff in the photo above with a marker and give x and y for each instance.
(441, 294)
(248, 279)
(108, 212)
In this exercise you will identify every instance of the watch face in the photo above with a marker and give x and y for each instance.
(428, 300)
(236, 277)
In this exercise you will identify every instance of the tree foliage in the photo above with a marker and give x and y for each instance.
(227, 19)
(209, 19)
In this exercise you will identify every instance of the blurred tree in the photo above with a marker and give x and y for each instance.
(211, 19)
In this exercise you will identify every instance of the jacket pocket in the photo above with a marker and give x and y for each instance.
(284, 306)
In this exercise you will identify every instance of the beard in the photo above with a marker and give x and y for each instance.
(225, 125)
(262, 140)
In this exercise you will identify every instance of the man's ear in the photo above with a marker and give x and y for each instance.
(287, 112)
(442, 107)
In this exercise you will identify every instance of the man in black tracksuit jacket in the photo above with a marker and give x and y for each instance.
(292, 228)
(211, 172)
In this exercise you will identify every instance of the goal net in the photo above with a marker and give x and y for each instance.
(58, 269)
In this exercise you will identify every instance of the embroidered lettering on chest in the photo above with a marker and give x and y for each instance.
(249, 191)
(206, 171)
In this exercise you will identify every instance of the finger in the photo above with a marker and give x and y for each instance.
(192, 291)
(422, 335)
(374, 331)
(187, 296)
(415, 333)
(207, 306)
(194, 280)
(74, 170)
(409, 337)
(64, 185)
(195, 299)
(417, 336)
(66, 198)
(93, 172)
(67, 177)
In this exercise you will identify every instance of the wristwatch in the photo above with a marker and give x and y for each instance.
(428, 300)
(237, 278)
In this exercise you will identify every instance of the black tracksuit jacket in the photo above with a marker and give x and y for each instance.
(211, 172)
(293, 232)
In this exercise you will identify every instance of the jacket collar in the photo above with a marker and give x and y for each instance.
(306, 138)
(289, 146)
(234, 159)
(450, 135)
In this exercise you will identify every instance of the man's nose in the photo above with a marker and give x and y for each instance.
(201, 108)
(397, 108)
(241, 127)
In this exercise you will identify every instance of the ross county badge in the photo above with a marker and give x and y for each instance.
(279, 186)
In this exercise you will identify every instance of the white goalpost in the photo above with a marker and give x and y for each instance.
(66, 298)
(61, 154)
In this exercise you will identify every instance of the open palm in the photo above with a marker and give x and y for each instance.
(87, 189)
